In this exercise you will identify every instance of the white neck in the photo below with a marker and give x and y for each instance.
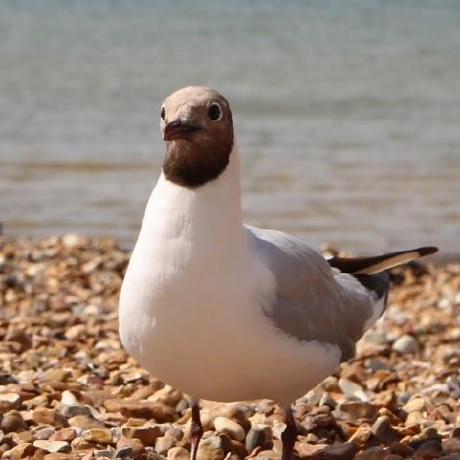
(209, 216)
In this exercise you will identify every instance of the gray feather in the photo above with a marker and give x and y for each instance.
(312, 302)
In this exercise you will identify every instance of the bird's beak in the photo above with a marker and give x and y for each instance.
(179, 129)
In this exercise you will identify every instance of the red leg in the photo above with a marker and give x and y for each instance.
(196, 430)
(289, 435)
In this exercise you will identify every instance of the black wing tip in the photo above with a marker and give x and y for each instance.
(427, 251)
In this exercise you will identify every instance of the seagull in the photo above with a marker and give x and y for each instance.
(228, 312)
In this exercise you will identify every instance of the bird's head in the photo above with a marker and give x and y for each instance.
(197, 126)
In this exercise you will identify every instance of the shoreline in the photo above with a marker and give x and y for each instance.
(439, 259)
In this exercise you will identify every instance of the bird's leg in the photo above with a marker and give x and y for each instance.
(196, 429)
(289, 435)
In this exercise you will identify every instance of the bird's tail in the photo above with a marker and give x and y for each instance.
(377, 264)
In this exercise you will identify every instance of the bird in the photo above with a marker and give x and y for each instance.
(225, 311)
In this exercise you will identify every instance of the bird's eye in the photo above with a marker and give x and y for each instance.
(163, 112)
(215, 112)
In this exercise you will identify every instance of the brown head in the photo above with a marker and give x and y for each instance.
(197, 127)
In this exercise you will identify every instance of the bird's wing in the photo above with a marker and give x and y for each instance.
(312, 300)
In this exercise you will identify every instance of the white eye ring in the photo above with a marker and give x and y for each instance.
(163, 112)
(215, 111)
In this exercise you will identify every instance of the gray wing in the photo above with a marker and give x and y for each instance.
(312, 302)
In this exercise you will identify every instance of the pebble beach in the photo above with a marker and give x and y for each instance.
(68, 389)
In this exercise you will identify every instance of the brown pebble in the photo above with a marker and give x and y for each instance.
(13, 422)
(22, 436)
(81, 444)
(374, 453)
(19, 451)
(163, 444)
(149, 410)
(178, 453)
(147, 434)
(98, 435)
(134, 444)
(339, 451)
(230, 428)
(57, 375)
(360, 410)
(307, 451)
(401, 449)
(83, 421)
(44, 433)
(361, 435)
(451, 446)
(64, 434)
(45, 416)
(415, 405)
(383, 430)
(428, 450)
(213, 448)
(428, 434)
(52, 446)
(58, 456)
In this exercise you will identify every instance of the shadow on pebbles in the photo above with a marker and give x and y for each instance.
(68, 390)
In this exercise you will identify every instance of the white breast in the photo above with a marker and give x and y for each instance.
(191, 305)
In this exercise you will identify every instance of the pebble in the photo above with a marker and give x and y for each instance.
(229, 427)
(451, 446)
(134, 445)
(374, 453)
(147, 434)
(150, 410)
(19, 451)
(384, 431)
(9, 401)
(361, 410)
(178, 453)
(52, 446)
(401, 449)
(259, 437)
(163, 444)
(353, 390)
(68, 398)
(45, 416)
(406, 344)
(69, 411)
(13, 421)
(327, 400)
(125, 452)
(84, 422)
(44, 433)
(307, 451)
(65, 434)
(104, 453)
(212, 448)
(415, 418)
(361, 435)
(429, 449)
(340, 451)
(99, 435)
(415, 405)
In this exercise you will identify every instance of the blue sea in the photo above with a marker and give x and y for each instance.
(347, 113)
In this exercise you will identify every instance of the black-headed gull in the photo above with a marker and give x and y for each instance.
(228, 312)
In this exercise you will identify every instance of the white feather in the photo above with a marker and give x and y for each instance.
(191, 305)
